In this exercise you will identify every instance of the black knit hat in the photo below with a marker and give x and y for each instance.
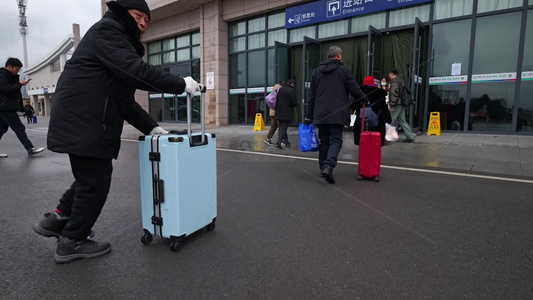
(136, 4)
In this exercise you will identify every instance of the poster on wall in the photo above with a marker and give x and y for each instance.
(210, 77)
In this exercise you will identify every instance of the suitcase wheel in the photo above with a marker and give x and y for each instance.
(146, 238)
(211, 226)
(359, 178)
(376, 179)
(176, 245)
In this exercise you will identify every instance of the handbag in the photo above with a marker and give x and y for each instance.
(390, 133)
(307, 140)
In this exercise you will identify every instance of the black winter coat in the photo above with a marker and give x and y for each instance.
(328, 101)
(286, 101)
(377, 96)
(95, 93)
(10, 94)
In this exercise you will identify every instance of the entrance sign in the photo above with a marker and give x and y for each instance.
(328, 10)
(448, 80)
(479, 78)
(434, 124)
(527, 75)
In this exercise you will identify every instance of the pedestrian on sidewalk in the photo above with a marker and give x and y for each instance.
(273, 123)
(29, 112)
(285, 104)
(11, 103)
(397, 110)
(94, 96)
(328, 107)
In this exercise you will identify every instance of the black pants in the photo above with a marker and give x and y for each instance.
(330, 136)
(10, 119)
(282, 131)
(86, 197)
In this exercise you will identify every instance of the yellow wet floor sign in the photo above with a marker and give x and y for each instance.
(259, 124)
(434, 123)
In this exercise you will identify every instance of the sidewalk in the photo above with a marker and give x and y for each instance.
(504, 155)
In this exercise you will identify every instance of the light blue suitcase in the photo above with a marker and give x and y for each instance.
(178, 182)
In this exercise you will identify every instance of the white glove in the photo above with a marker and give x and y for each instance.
(158, 130)
(191, 86)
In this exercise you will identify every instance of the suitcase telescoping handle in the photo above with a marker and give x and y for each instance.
(201, 88)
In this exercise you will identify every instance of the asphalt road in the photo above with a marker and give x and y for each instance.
(282, 233)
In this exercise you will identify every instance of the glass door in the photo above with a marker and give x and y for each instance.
(416, 73)
(374, 56)
(311, 59)
(282, 62)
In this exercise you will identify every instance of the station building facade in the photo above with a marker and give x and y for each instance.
(469, 60)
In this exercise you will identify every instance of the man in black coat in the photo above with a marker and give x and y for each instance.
(11, 102)
(285, 103)
(328, 107)
(95, 95)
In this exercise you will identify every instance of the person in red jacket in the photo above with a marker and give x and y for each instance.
(94, 96)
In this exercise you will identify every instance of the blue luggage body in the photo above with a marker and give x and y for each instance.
(178, 183)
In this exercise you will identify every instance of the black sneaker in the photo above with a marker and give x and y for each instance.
(327, 173)
(268, 142)
(50, 225)
(68, 250)
(34, 150)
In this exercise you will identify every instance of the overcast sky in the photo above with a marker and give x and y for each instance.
(49, 23)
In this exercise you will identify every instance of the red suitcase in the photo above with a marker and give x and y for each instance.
(369, 153)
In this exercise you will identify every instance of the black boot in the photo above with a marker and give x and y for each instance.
(327, 173)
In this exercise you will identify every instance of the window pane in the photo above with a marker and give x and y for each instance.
(237, 71)
(277, 20)
(451, 44)
(169, 44)
(154, 59)
(277, 36)
(271, 67)
(493, 34)
(183, 41)
(491, 106)
(195, 70)
(332, 29)
(256, 68)
(256, 41)
(154, 47)
(196, 38)
(360, 24)
(491, 5)
(449, 101)
(238, 28)
(452, 8)
(256, 24)
(236, 112)
(156, 108)
(238, 44)
(525, 107)
(169, 57)
(297, 35)
(407, 16)
(195, 52)
(184, 54)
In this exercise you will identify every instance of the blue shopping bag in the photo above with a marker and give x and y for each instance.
(307, 140)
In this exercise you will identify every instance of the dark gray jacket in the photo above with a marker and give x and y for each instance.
(10, 95)
(285, 103)
(95, 93)
(394, 92)
(328, 101)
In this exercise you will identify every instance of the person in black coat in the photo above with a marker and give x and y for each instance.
(377, 98)
(286, 101)
(94, 96)
(328, 107)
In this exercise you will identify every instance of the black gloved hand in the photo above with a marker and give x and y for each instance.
(307, 121)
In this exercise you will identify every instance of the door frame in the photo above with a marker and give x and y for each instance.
(371, 49)
(306, 76)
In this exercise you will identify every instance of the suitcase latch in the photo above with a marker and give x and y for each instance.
(154, 156)
(157, 221)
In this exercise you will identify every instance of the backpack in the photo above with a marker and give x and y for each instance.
(371, 118)
(406, 96)
(270, 99)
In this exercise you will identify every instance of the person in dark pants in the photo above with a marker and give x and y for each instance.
(377, 97)
(285, 104)
(29, 112)
(329, 107)
(94, 96)
(11, 102)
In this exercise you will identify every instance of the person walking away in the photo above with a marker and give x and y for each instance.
(11, 103)
(376, 97)
(273, 123)
(385, 86)
(328, 107)
(285, 104)
(396, 109)
(94, 96)
(29, 112)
